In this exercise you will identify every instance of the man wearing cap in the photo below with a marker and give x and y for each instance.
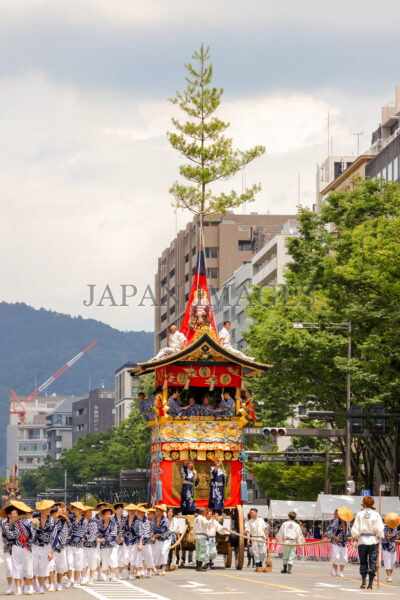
(142, 528)
(11, 513)
(44, 542)
(392, 520)
(19, 528)
(369, 529)
(290, 534)
(213, 527)
(108, 533)
(129, 539)
(60, 549)
(77, 534)
(339, 533)
(120, 519)
(90, 550)
(256, 529)
(161, 539)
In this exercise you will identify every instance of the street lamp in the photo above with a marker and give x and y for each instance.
(347, 326)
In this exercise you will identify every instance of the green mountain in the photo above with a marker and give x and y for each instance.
(38, 342)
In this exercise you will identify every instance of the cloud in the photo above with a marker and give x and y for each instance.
(85, 179)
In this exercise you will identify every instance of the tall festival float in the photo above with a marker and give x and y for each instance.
(202, 365)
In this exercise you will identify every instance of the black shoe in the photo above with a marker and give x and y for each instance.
(199, 565)
(284, 570)
(363, 583)
(371, 580)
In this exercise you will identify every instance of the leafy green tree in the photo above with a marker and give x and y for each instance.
(345, 268)
(202, 142)
(282, 482)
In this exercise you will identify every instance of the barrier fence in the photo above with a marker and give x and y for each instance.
(322, 550)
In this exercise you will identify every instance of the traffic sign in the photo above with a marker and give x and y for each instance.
(366, 493)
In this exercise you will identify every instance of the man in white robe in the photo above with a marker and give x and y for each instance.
(176, 341)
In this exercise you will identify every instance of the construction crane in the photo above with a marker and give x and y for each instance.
(18, 407)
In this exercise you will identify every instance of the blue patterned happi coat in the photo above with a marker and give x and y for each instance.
(217, 488)
(188, 503)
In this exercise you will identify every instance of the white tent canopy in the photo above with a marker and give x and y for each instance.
(326, 504)
(279, 509)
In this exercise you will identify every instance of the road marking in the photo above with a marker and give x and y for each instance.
(120, 589)
(278, 585)
(350, 579)
(203, 589)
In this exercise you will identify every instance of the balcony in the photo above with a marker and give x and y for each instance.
(263, 275)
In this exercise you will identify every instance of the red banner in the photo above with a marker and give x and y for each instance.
(198, 310)
(169, 500)
(199, 376)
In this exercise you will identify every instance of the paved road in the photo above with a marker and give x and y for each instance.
(309, 580)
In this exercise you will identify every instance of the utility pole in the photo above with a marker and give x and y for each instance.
(65, 487)
(348, 432)
(327, 483)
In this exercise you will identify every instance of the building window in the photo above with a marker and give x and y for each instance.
(172, 272)
(186, 277)
(396, 169)
(212, 251)
(390, 171)
(186, 297)
(172, 310)
(186, 258)
(34, 434)
(211, 223)
(194, 271)
(384, 173)
(163, 335)
(193, 251)
(58, 445)
(244, 245)
(163, 317)
(212, 273)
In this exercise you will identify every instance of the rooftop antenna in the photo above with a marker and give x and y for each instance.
(329, 136)
(243, 189)
(298, 188)
(358, 134)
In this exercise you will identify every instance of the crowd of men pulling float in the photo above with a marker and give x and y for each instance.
(55, 546)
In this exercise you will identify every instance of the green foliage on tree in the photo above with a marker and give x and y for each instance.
(282, 482)
(97, 455)
(346, 267)
(201, 140)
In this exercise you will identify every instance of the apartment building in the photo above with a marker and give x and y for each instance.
(230, 241)
(27, 442)
(93, 414)
(59, 428)
(126, 390)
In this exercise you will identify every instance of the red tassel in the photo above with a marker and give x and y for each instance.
(160, 409)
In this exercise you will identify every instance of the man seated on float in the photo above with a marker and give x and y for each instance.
(205, 408)
(174, 404)
(193, 409)
(226, 408)
(226, 341)
(176, 339)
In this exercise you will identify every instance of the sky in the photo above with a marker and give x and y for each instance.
(85, 165)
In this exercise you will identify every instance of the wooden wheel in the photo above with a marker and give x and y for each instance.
(228, 558)
(239, 527)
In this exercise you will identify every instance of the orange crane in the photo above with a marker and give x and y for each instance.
(18, 407)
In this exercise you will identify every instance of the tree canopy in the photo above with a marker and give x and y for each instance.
(345, 267)
(202, 141)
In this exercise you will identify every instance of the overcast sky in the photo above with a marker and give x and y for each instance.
(85, 166)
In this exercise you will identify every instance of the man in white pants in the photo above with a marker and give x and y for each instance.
(339, 533)
(90, 550)
(19, 529)
(44, 542)
(175, 343)
(120, 520)
(60, 551)
(143, 531)
(7, 547)
(108, 533)
(129, 539)
(258, 529)
(389, 543)
(161, 539)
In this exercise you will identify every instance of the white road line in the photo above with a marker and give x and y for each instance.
(120, 589)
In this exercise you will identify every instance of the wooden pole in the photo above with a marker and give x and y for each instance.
(379, 545)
